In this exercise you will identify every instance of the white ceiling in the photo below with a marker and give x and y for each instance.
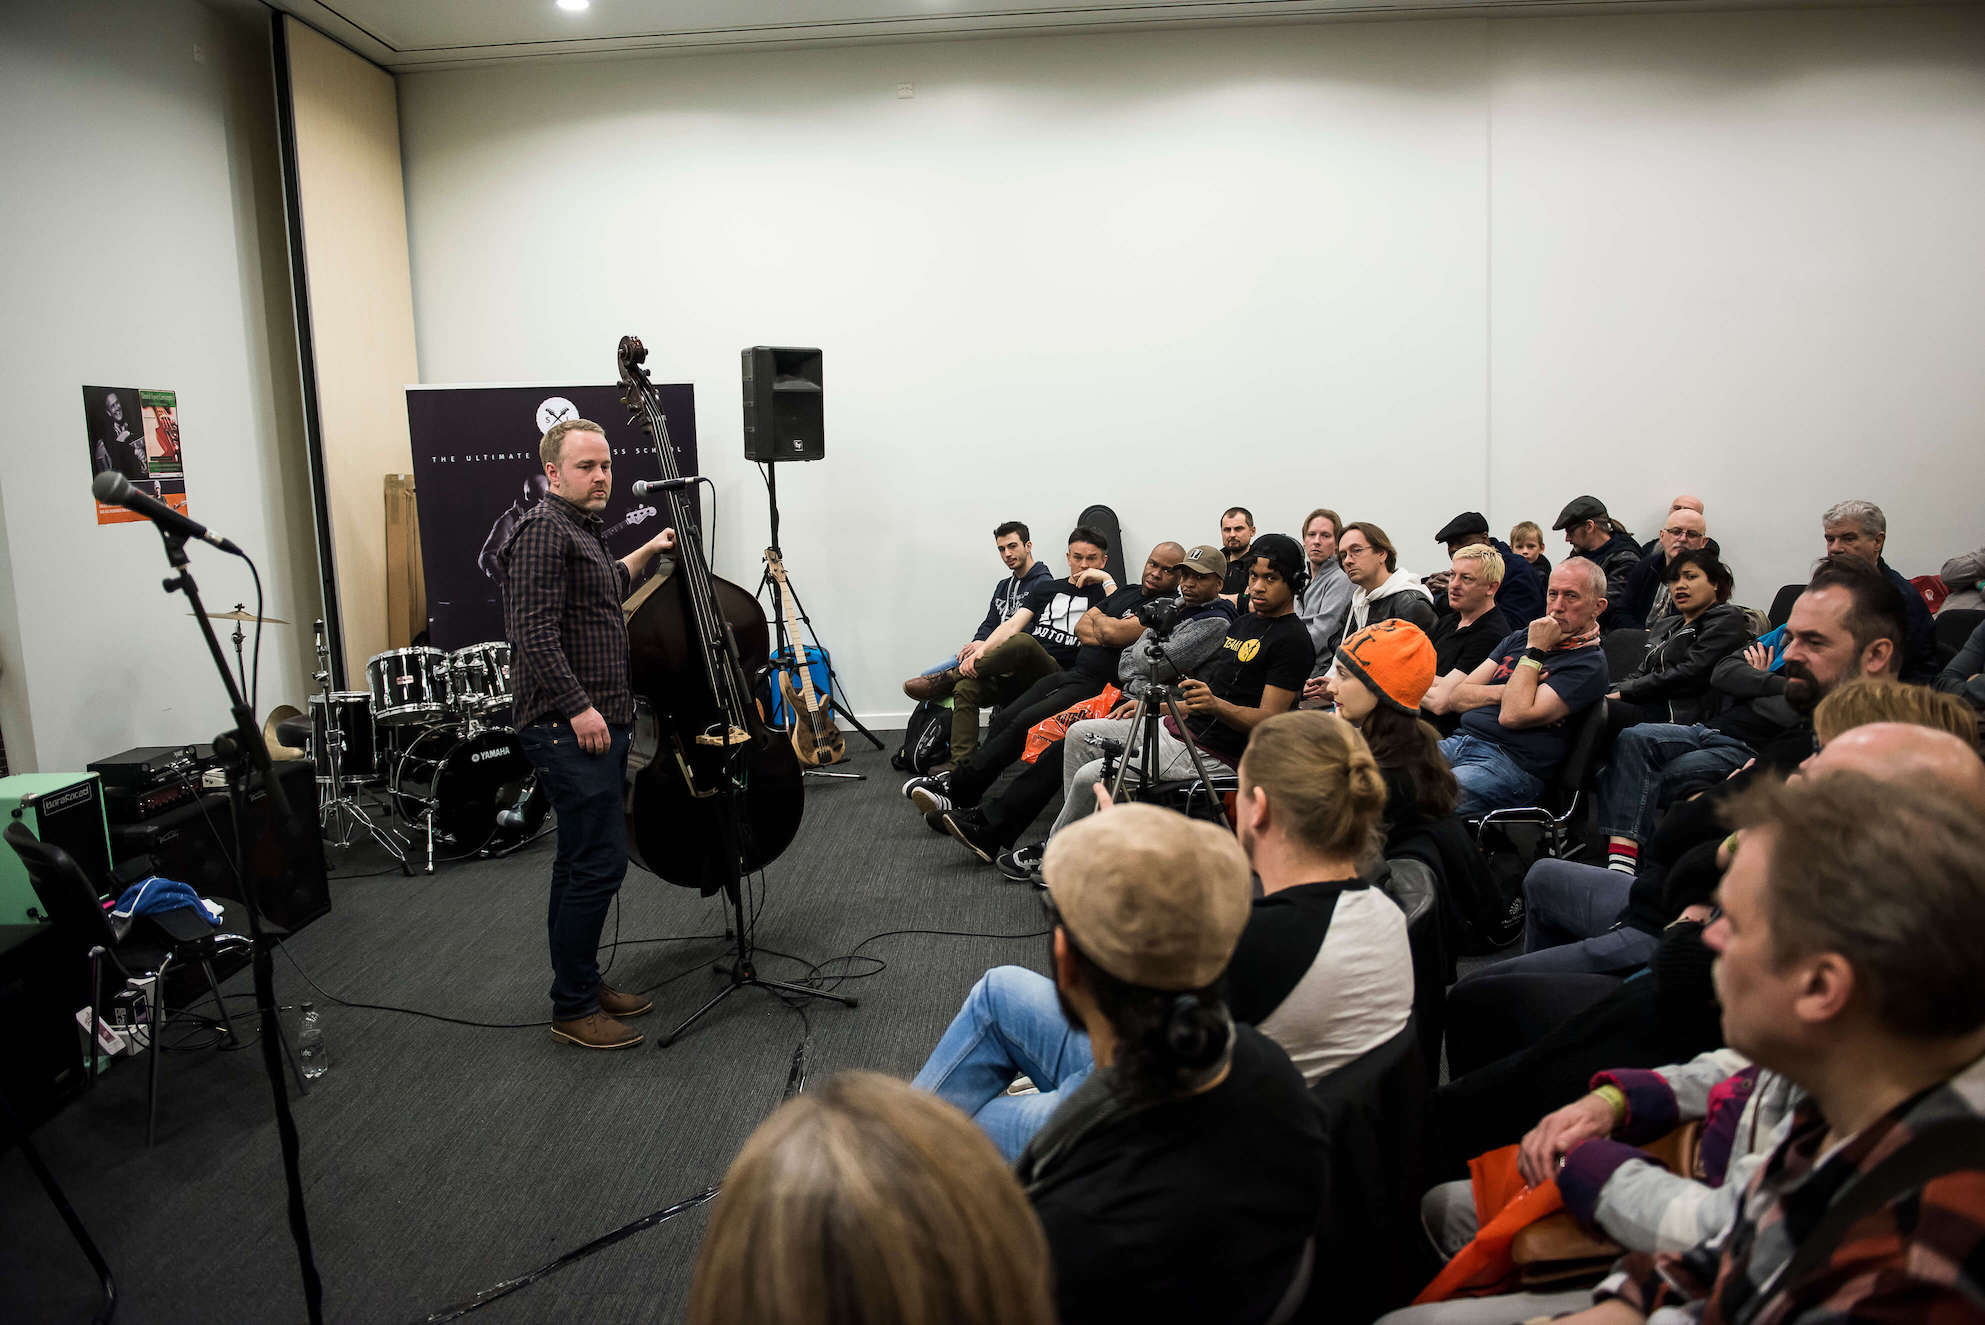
(406, 35)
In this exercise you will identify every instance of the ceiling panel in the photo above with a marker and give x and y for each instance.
(415, 34)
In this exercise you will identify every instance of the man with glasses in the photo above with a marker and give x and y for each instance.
(1647, 590)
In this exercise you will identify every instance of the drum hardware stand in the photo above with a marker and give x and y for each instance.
(340, 814)
(245, 755)
(789, 648)
(1153, 705)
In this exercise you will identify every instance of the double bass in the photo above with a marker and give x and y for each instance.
(715, 793)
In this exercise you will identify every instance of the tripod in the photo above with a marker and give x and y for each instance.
(1153, 706)
(785, 652)
(340, 815)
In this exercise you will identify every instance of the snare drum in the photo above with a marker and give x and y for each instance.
(479, 679)
(466, 780)
(408, 685)
(358, 759)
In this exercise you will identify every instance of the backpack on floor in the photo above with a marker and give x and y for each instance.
(926, 738)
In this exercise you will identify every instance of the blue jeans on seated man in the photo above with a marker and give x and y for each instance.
(585, 790)
(1570, 914)
(1489, 778)
(1011, 1024)
(944, 666)
(1657, 764)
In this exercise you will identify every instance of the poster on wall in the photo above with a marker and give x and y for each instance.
(476, 474)
(136, 433)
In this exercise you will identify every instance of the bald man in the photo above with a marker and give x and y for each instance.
(1904, 752)
(1647, 594)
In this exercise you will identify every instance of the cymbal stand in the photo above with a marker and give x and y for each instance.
(340, 813)
(239, 636)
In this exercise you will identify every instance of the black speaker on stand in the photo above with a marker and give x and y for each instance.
(783, 421)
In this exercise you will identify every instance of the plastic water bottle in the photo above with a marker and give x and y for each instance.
(310, 1050)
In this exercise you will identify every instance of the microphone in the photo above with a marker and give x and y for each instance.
(643, 487)
(113, 489)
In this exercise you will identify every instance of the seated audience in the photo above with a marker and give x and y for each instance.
(1965, 676)
(1846, 624)
(1522, 596)
(1103, 631)
(1617, 1189)
(1647, 586)
(865, 1202)
(1015, 547)
(1859, 529)
(1847, 961)
(1326, 602)
(1323, 967)
(1382, 674)
(1599, 538)
(1381, 591)
(1516, 707)
(1036, 641)
(1671, 681)
(1198, 632)
(1236, 536)
(1964, 576)
(1179, 1173)
(1527, 541)
(1254, 674)
(1475, 622)
(1517, 1043)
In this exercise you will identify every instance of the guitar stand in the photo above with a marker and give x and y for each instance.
(790, 647)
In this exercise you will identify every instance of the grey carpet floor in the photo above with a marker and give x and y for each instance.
(440, 1159)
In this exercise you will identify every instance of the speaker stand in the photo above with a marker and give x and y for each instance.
(782, 645)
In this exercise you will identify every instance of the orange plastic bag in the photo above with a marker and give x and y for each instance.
(1049, 730)
(1505, 1207)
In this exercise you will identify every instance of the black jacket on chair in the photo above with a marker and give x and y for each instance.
(1680, 656)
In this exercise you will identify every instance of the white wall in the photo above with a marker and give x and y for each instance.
(1402, 269)
(145, 248)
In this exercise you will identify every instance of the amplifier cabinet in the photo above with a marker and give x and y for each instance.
(62, 809)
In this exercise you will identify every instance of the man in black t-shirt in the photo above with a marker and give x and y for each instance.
(1102, 632)
(1473, 623)
(1257, 672)
(1036, 641)
(1236, 536)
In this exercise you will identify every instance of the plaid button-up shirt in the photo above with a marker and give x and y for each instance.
(1918, 1259)
(561, 609)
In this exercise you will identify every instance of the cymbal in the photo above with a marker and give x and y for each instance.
(239, 615)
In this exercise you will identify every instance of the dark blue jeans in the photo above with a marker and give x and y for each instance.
(585, 790)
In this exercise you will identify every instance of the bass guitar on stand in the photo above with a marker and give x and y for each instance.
(816, 740)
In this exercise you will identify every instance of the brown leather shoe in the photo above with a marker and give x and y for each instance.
(596, 1030)
(921, 688)
(616, 1004)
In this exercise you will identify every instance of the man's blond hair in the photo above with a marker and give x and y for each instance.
(1490, 559)
(552, 446)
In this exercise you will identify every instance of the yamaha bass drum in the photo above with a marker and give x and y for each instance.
(472, 784)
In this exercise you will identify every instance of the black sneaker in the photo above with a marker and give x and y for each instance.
(1023, 864)
(927, 793)
(935, 822)
(974, 832)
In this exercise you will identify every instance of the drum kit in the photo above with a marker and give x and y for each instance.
(428, 740)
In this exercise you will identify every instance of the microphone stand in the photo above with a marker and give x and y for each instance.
(246, 755)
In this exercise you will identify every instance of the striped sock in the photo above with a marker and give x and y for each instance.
(1623, 855)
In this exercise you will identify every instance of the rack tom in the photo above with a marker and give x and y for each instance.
(408, 686)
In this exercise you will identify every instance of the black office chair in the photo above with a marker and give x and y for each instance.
(1412, 884)
(1562, 799)
(161, 942)
(1624, 650)
(1781, 603)
(1954, 627)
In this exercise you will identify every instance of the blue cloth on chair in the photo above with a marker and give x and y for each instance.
(155, 895)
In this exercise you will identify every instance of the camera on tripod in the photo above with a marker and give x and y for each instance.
(1158, 615)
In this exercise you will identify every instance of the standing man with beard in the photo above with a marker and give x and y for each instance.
(574, 711)
(1848, 623)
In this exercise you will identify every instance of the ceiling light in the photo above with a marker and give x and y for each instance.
(574, 6)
